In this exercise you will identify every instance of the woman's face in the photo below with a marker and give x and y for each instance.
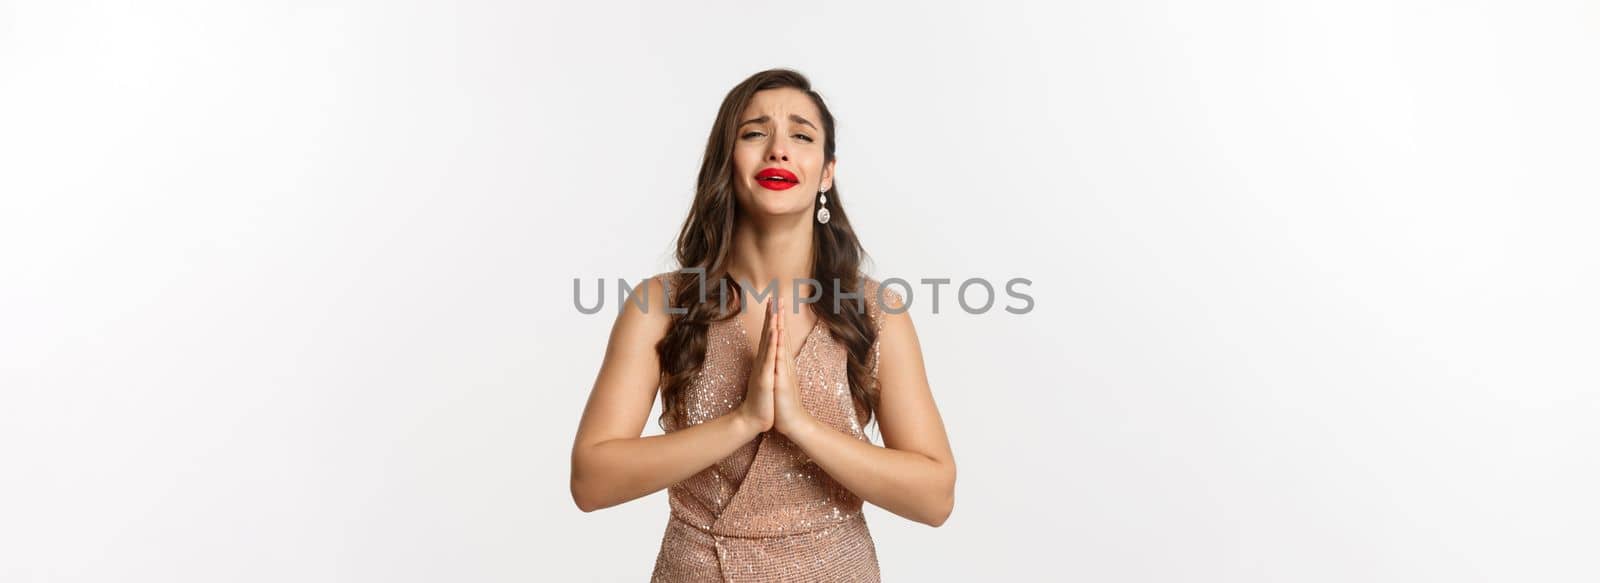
(777, 154)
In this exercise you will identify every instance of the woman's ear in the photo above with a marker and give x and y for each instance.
(827, 175)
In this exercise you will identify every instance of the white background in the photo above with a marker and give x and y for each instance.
(286, 286)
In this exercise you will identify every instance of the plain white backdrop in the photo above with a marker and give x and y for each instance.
(286, 287)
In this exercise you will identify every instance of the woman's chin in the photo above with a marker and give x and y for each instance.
(775, 208)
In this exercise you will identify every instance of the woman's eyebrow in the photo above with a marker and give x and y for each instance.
(792, 117)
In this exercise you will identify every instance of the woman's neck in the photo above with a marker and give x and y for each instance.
(771, 251)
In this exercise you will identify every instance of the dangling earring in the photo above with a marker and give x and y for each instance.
(822, 212)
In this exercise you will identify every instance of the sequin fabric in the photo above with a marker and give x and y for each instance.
(767, 512)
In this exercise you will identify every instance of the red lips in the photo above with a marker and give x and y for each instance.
(776, 179)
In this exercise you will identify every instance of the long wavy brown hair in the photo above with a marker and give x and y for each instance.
(707, 236)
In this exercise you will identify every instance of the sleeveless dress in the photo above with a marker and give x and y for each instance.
(767, 512)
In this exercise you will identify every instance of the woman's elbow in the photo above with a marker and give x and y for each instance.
(941, 512)
(946, 502)
(583, 504)
(583, 493)
(582, 498)
(590, 500)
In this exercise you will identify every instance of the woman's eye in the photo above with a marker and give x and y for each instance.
(748, 135)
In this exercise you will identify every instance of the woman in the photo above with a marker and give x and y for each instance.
(765, 458)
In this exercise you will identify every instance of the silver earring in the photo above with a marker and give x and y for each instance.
(822, 212)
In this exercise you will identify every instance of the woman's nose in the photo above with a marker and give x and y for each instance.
(777, 152)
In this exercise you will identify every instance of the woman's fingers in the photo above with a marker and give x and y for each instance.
(766, 330)
(776, 343)
(785, 357)
(783, 329)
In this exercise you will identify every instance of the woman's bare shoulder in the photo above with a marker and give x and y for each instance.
(881, 300)
(643, 316)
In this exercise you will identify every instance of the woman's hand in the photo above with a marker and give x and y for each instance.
(791, 415)
(757, 408)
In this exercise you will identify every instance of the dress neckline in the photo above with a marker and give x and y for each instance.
(751, 350)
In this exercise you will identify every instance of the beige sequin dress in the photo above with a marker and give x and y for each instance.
(767, 512)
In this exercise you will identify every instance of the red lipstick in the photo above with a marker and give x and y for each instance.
(776, 179)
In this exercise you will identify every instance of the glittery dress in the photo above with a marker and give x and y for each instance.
(767, 512)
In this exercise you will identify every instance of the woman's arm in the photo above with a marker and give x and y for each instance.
(611, 463)
(914, 476)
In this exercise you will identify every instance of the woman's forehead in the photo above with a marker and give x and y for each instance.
(778, 104)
